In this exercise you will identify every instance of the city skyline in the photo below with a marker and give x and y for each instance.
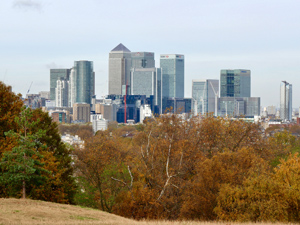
(42, 34)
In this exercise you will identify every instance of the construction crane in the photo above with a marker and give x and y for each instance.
(29, 87)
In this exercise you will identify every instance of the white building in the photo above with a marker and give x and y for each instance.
(98, 122)
(145, 112)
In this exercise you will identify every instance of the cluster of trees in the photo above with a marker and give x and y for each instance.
(33, 160)
(167, 168)
(205, 169)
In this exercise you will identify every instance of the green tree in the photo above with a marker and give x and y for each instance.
(22, 164)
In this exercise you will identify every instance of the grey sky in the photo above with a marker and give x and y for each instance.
(260, 35)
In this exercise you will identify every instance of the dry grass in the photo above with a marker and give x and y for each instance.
(18, 211)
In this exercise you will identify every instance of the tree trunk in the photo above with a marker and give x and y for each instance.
(24, 190)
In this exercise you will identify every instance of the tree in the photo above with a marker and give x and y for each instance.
(57, 186)
(23, 164)
(10, 107)
(100, 170)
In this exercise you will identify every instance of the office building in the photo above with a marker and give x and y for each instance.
(81, 112)
(177, 105)
(235, 83)
(286, 101)
(98, 123)
(83, 82)
(206, 93)
(56, 74)
(147, 81)
(119, 70)
(235, 107)
(142, 60)
(235, 99)
(172, 66)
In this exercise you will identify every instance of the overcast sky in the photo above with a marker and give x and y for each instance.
(260, 35)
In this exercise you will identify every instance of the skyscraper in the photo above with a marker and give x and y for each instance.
(206, 93)
(83, 81)
(172, 66)
(119, 69)
(56, 74)
(286, 101)
(235, 83)
(146, 81)
(142, 60)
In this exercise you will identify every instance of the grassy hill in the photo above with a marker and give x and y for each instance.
(18, 211)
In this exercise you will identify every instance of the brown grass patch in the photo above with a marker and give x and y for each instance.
(18, 211)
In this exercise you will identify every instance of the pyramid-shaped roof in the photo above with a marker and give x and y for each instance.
(120, 48)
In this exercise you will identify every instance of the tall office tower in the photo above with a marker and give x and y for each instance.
(147, 81)
(235, 83)
(119, 70)
(142, 60)
(82, 82)
(61, 93)
(286, 101)
(172, 66)
(206, 93)
(81, 112)
(55, 74)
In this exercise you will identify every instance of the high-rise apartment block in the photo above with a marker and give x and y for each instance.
(286, 101)
(206, 93)
(61, 93)
(172, 66)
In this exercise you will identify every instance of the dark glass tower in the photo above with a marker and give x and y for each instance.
(85, 81)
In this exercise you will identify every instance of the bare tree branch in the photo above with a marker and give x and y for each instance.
(130, 176)
(119, 181)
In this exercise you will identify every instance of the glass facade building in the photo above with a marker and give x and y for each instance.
(286, 101)
(172, 66)
(56, 74)
(82, 82)
(177, 105)
(235, 83)
(205, 93)
(142, 60)
(235, 98)
(234, 107)
(146, 81)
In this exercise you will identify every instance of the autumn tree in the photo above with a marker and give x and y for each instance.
(100, 170)
(10, 108)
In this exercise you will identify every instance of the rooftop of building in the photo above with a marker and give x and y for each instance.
(120, 48)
